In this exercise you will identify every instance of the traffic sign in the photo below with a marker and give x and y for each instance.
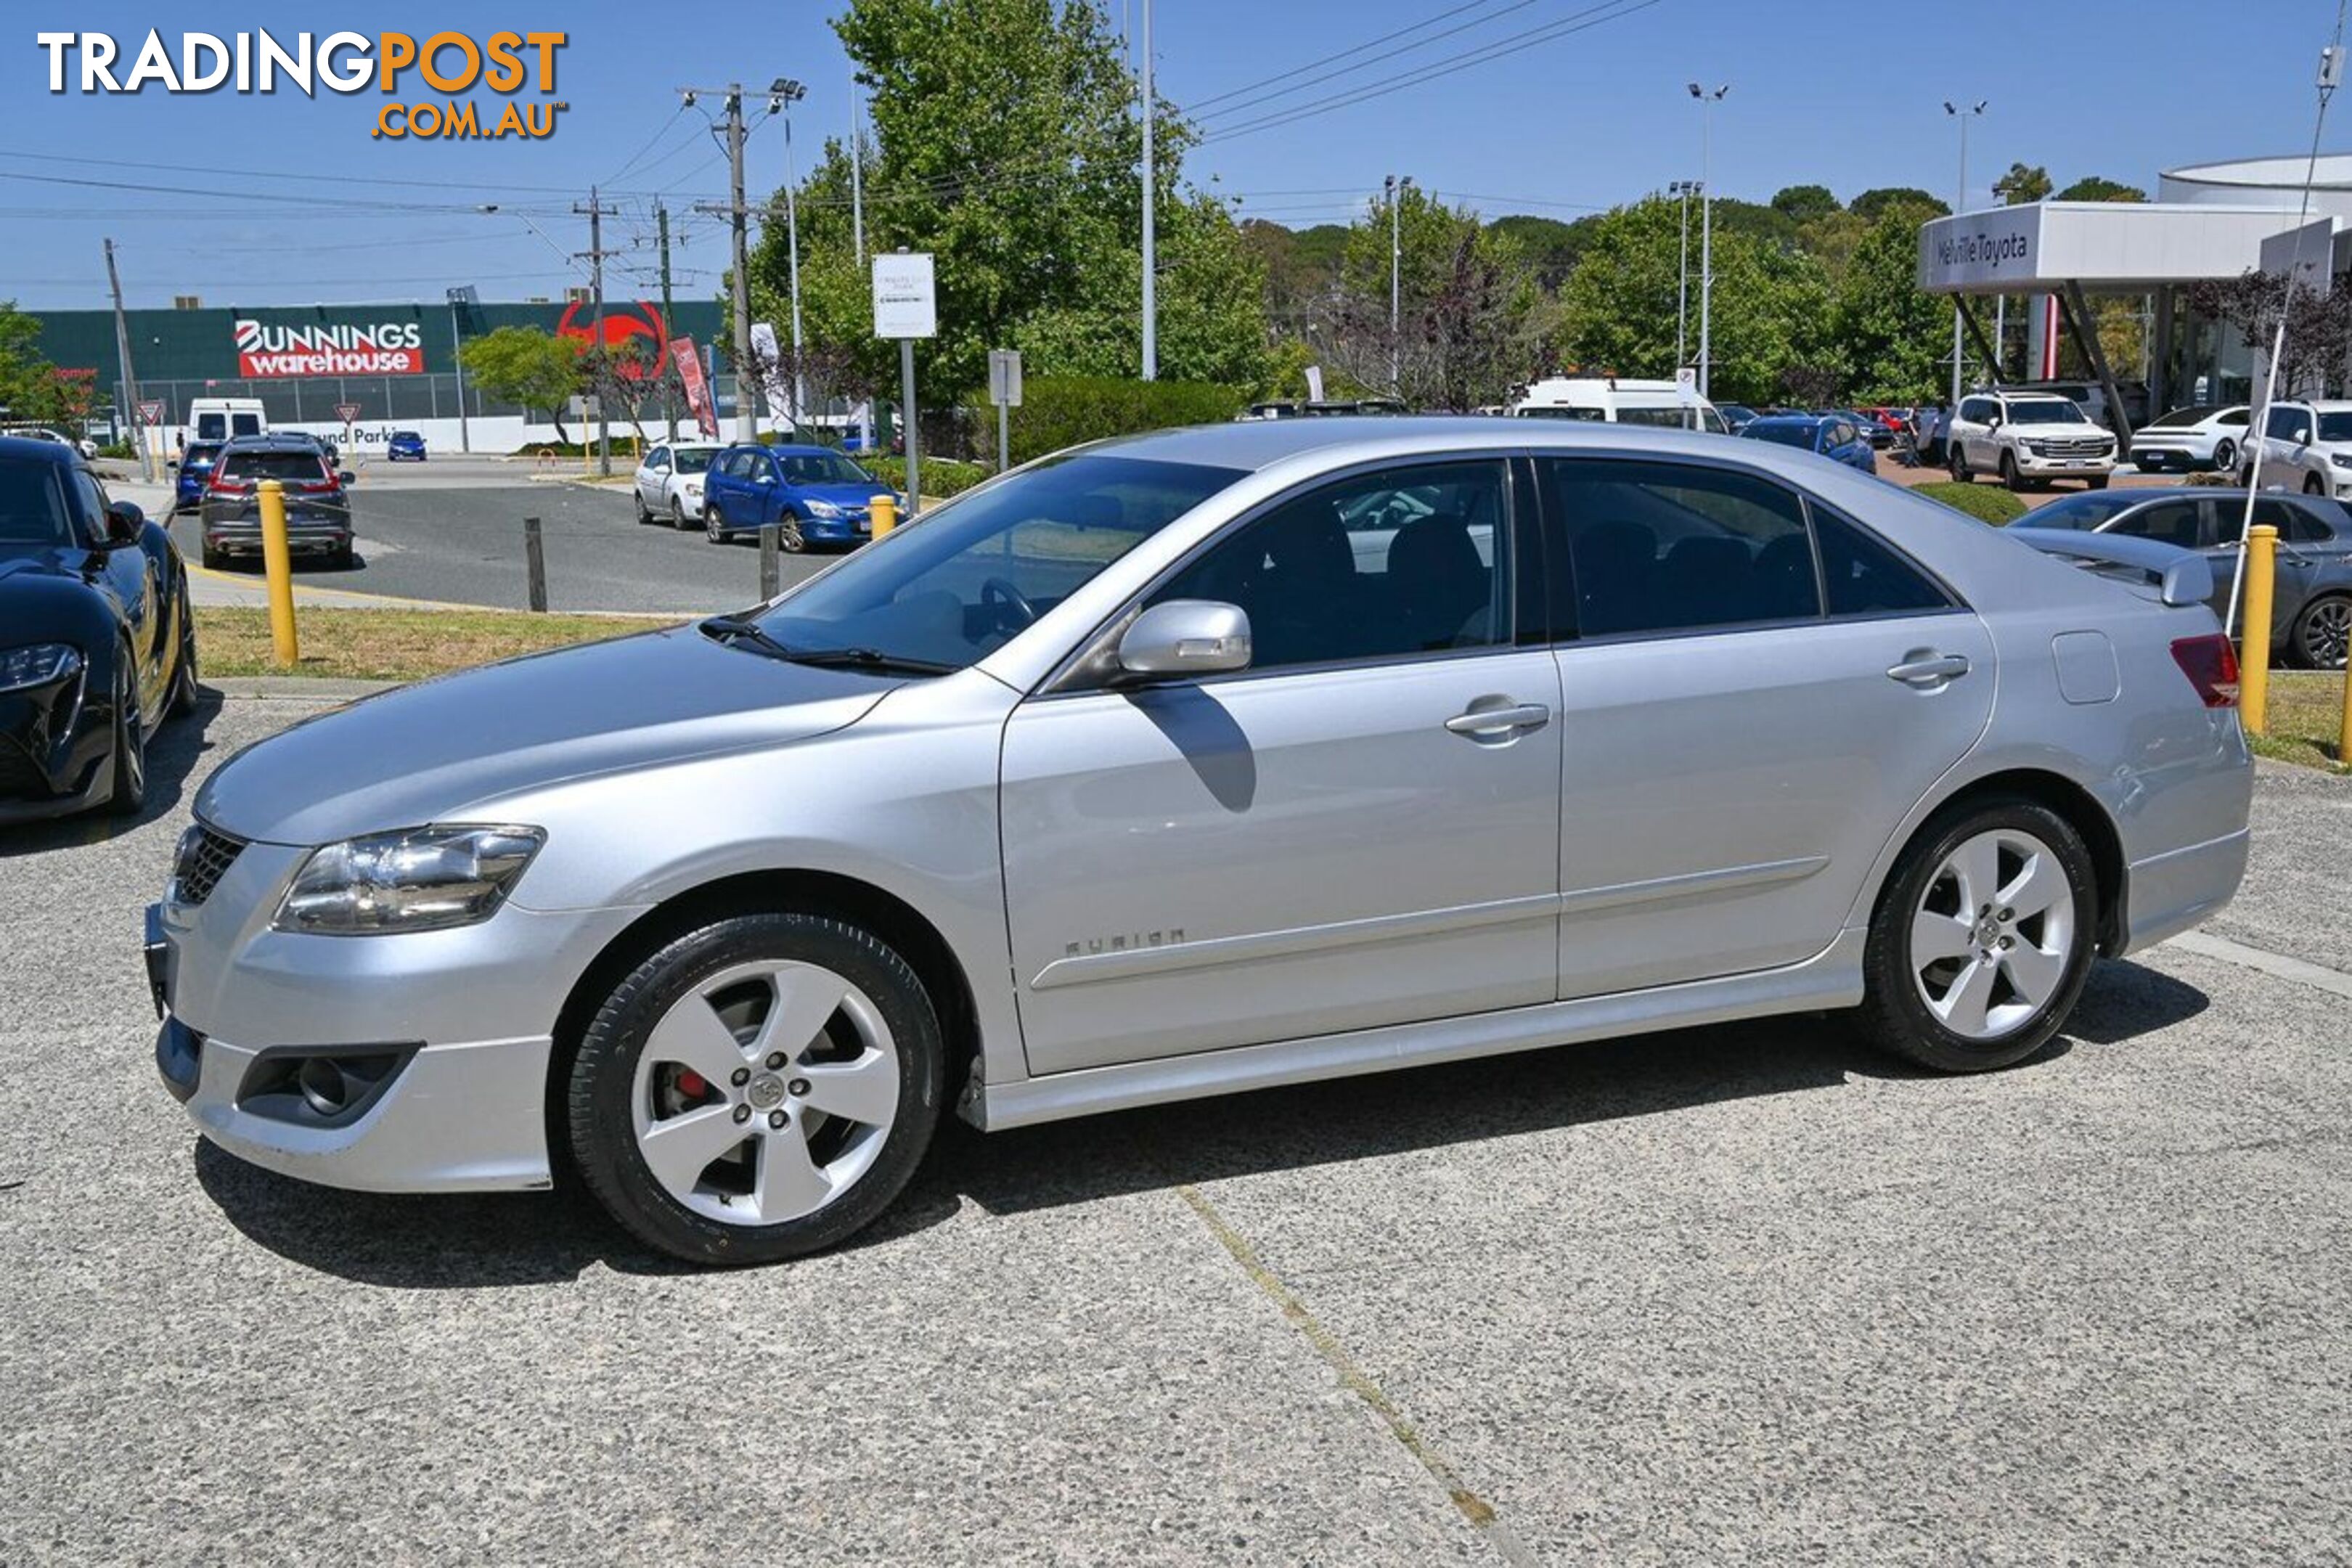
(905, 301)
(150, 413)
(1004, 377)
(347, 412)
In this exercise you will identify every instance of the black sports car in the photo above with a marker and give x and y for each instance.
(97, 643)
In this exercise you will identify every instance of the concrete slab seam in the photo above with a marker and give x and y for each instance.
(2280, 965)
(1472, 1507)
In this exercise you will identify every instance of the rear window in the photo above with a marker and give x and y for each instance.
(255, 466)
(212, 426)
(2181, 417)
(1782, 435)
(201, 455)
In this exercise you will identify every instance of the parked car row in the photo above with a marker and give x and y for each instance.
(1834, 435)
(814, 494)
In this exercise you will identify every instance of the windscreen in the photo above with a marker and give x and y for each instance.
(824, 468)
(2335, 426)
(1798, 436)
(961, 583)
(32, 511)
(2046, 411)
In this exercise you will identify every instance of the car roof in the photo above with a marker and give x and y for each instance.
(34, 447)
(274, 440)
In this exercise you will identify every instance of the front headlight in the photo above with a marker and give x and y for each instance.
(822, 509)
(37, 665)
(416, 878)
(692, 486)
(2341, 459)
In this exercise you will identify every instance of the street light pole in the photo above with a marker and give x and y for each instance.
(784, 94)
(1150, 236)
(1682, 278)
(463, 294)
(1707, 102)
(1960, 205)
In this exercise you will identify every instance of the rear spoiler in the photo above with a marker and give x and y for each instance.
(2181, 576)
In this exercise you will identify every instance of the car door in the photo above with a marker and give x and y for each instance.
(1970, 431)
(650, 475)
(2283, 455)
(725, 490)
(130, 577)
(1736, 755)
(1361, 829)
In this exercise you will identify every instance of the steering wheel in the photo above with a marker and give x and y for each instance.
(997, 591)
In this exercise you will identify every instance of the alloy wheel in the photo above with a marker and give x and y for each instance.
(711, 528)
(2326, 633)
(2224, 454)
(765, 1092)
(1993, 934)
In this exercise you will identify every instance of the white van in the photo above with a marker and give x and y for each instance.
(1618, 400)
(221, 418)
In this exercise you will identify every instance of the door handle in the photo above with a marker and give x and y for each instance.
(1924, 667)
(1484, 723)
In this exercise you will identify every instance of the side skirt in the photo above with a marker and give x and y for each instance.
(1830, 979)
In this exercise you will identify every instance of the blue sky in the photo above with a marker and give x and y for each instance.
(1844, 95)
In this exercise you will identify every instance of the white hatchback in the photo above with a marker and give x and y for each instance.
(670, 481)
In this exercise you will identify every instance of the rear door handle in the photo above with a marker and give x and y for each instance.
(1486, 723)
(1929, 668)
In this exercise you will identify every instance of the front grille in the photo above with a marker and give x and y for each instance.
(204, 858)
(2084, 447)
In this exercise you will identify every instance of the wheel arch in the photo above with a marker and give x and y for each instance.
(887, 916)
(2071, 802)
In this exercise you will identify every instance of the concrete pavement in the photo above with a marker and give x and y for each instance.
(1725, 1296)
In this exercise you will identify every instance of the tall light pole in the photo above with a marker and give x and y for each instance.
(1683, 188)
(1959, 204)
(460, 297)
(856, 177)
(1394, 192)
(782, 93)
(1150, 246)
(1707, 102)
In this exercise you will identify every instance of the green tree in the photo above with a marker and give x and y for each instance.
(526, 365)
(1872, 204)
(1801, 203)
(1005, 143)
(2097, 188)
(1770, 303)
(2023, 184)
(1889, 334)
(1549, 245)
(1467, 306)
(24, 373)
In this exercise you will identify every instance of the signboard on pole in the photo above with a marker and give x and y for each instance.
(906, 302)
(1004, 377)
(150, 413)
(347, 413)
(689, 360)
(768, 356)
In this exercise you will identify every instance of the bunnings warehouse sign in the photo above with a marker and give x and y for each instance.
(268, 352)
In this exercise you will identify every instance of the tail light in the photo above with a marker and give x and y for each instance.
(2211, 663)
(324, 483)
(226, 482)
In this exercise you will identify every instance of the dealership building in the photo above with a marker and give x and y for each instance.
(386, 367)
(2208, 221)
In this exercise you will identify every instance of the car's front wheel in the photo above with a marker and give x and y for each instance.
(1982, 939)
(129, 796)
(677, 518)
(2009, 474)
(758, 1088)
(183, 673)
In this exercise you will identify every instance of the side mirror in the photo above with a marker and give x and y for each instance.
(1992, 421)
(1187, 637)
(124, 523)
(345, 476)
(2303, 435)
(662, 466)
(171, 463)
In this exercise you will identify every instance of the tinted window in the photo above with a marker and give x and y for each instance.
(2168, 522)
(2335, 426)
(2045, 411)
(823, 469)
(1666, 547)
(2181, 417)
(2086, 511)
(284, 466)
(1780, 434)
(1381, 566)
(973, 573)
(691, 461)
(658, 456)
(2283, 421)
(2296, 525)
(2235, 417)
(32, 511)
(245, 424)
(1976, 410)
(1863, 574)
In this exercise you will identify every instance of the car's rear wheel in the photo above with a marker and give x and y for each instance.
(1983, 937)
(129, 761)
(644, 512)
(2323, 632)
(2225, 453)
(761, 1087)
(1959, 460)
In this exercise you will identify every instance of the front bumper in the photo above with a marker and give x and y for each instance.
(2040, 466)
(470, 1014)
(53, 750)
(853, 529)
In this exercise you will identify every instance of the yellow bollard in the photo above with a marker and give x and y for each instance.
(278, 567)
(886, 514)
(2254, 646)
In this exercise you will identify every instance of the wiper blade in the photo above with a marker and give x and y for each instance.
(726, 629)
(871, 658)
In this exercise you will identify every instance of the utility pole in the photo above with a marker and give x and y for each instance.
(1683, 188)
(746, 415)
(1960, 205)
(459, 298)
(856, 177)
(595, 210)
(1707, 102)
(782, 94)
(670, 402)
(1396, 258)
(1150, 246)
(130, 392)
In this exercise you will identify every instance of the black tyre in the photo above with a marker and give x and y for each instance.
(344, 558)
(2225, 453)
(2097, 481)
(2313, 486)
(2323, 632)
(184, 674)
(677, 518)
(1983, 937)
(758, 1088)
(214, 560)
(2009, 474)
(644, 512)
(1959, 463)
(714, 528)
(129, 794)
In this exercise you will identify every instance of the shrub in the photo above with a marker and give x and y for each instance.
(1986, 503)
(119, 449)
(1058, 411)
(942, 477)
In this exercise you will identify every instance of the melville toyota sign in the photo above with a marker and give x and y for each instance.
(266, 351)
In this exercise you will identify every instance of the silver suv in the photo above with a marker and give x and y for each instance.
(1206, 761)
(2028, 440)
(2307, 447)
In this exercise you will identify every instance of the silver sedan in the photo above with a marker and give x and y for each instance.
(1197, 762)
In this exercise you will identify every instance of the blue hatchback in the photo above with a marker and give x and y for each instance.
(405, 444)
(815, 493)
(1834, 436)
(195, 472)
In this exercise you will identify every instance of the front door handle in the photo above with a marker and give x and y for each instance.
(1926, 667)
(1489, 723)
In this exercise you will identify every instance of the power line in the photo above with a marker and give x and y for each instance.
(1201, 103)
(674, 116)
(1578, 23)
(1244, 105)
